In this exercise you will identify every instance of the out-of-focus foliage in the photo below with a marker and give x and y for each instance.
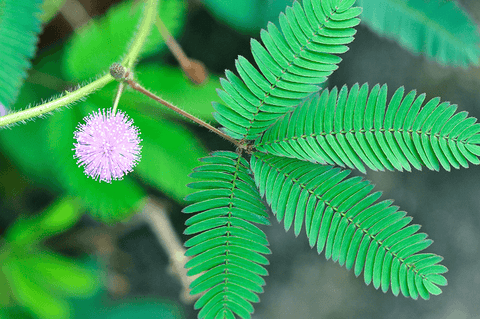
(103, 41)
(50, 9)
(19, 27)
(169, 154)
(170, 84)
(43, 149)
(35, 278)
(439, 29)
(95, 308)
(247, 15)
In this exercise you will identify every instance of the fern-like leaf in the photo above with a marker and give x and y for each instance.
(228, 246)
(292, 62)
(19, 27)
(439, 29)
(345, 220)
(356, 127)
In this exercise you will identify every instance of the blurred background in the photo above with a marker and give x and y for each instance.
(121, 269)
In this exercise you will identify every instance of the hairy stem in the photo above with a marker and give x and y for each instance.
(117, 97)
(69, 97)
(145, 26)
(137, 87)
(148, 20)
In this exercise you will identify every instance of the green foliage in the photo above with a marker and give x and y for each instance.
(357, 127)
(238, 13)
(127, 309)
(293, 137)
(50, 8)
(19, 27)
(169, 153)
(25, 145)
(439, 29)
(59, 217)
(341, 216)
(228, 251)
(167, 82)
(39, 280)
(36, 146)
(292, 66)
(345, 220)
(103, 41)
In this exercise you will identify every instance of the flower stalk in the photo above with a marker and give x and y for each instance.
(127, 78)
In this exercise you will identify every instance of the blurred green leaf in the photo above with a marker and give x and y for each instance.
(19, 28)
(60, 274)
(57, 218)
(144, 308)
(107, 202)
(50, 9)
(40, 280)
(26, 145)
(439, 29)
(169, 154)
(169, 83)
(105, 40)
(30, 295)
(247, 15)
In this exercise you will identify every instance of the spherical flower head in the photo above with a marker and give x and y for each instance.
(108, 145)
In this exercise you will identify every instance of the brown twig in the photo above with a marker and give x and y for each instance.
(156, 217)
(75, 14)
(194, 69)
(137, 87)
(120, 73)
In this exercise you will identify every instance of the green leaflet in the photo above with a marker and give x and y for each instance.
(357, 127)
(293, 61)
(87, 53)
(228, 248)
(439, 29)
(19, 27)
(345, 221)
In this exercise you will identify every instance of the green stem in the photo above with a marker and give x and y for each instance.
(149, 16)
(117, 97)
(69, 97)
(148, 19)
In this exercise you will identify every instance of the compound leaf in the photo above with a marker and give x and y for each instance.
(343, 218)
(357, 127)
(19, 28)
(441, 30)
(228, 247)
(293, 61)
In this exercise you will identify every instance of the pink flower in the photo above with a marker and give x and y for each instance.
(107, 145)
